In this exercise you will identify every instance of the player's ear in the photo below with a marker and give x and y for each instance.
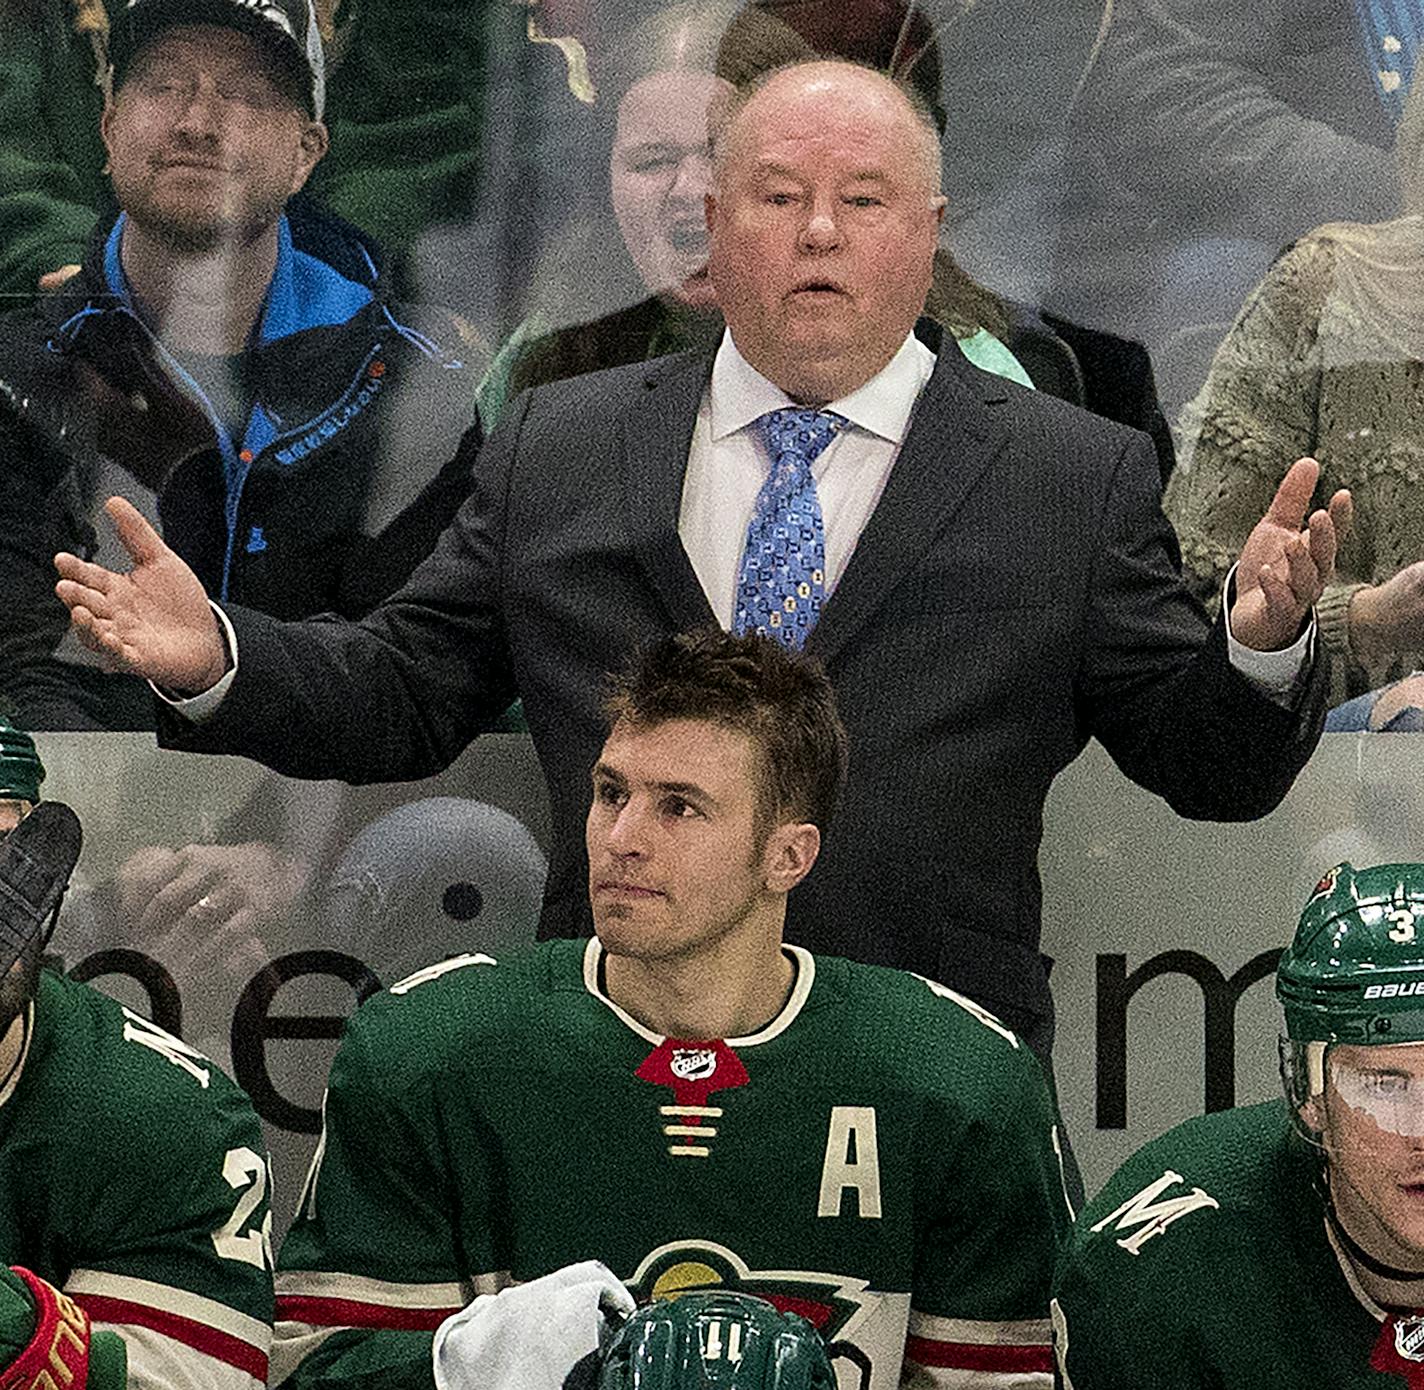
(790, 851)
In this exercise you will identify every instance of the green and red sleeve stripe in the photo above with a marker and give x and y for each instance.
(215, 1331)
(319, 1300)
(1010, 1355)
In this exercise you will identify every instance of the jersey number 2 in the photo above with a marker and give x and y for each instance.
(246, 1173)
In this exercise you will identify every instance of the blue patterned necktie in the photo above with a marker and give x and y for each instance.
(782, 584)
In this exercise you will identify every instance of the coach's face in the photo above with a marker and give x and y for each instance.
(206, 141)
(1371, 1119)
(823, 221)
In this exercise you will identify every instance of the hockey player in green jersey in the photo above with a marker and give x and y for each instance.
(682, 1097)
(1280, 1246)
(133, 1175)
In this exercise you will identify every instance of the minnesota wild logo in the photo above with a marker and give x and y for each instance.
(827, 1301)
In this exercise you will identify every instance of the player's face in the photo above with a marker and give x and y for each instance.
(659, 174)
(205, 142)
(675, 850)
(1373, 1132)
(823, 228)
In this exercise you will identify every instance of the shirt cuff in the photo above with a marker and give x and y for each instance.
(197, 708)
(1275, 674)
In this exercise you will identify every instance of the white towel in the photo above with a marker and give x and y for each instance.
(527, 1337)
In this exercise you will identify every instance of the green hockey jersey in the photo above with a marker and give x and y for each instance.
(881, 1158)
(133, 1176)
(1207, 1262)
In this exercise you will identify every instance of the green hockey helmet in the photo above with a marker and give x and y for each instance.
(21, 770)
(1355, 971)
(714, 1341)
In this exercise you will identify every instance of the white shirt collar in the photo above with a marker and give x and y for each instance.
(740, 394)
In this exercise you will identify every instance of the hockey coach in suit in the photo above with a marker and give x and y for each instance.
(998, 581)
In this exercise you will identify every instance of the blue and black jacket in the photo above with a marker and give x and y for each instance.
(355, 452)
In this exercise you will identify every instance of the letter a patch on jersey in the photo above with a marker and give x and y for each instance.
(692, 1071)
(852, 1161)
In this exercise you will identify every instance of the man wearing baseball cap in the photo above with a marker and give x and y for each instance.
(231, 366)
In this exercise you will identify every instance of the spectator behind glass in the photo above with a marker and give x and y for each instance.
(628, 277)
(666, 77)
(241, 377)
(1324, 360)
(1395, 709)
(406, 112)
(52, 187)
(1208, 134)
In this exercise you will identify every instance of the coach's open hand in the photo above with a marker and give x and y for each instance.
(1287, 561)
(153, 621)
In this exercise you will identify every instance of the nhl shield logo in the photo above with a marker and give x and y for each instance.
(1409, 1338)
(693, 1063)
(694, 1070)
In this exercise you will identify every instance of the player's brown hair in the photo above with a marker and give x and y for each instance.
(781, 700)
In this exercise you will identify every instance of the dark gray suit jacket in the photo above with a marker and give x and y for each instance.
(1015, 592)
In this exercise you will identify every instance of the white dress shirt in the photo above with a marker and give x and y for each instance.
(728, 463)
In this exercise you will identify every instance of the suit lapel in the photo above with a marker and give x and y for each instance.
(656, 440)
(954, 436)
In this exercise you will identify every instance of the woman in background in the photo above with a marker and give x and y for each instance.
(1326, 358)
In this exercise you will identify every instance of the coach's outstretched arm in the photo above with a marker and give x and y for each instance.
(392, 697)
